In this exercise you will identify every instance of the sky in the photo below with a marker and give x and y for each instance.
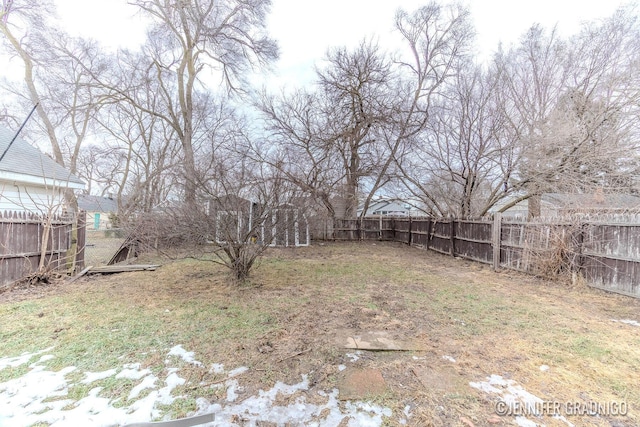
(305, 29)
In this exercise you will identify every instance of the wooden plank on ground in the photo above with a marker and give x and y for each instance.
(378, 341)
(79, 275)
(107, 269)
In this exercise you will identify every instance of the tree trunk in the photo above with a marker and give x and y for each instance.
(190, 184)
(351, 200)
(535, 202)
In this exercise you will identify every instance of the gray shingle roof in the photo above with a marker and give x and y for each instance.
(97, 203)
(23, 158)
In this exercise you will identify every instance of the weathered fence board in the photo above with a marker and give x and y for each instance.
(420, 231)
(21, 244)
(440, 236)
(473, 240)
(605, 254)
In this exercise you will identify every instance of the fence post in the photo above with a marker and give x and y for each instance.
(410, 230)
(81, 239)
(578, 257)
(394, 229)
(426, 246)
(496, 236)
(453, 237)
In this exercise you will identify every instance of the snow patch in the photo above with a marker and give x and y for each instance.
(187, 356)
(449, 358)
(45, 358)
(513, 394)
(262, 408)
(407, 413)
(96, 376)
(525, 422)
(148, 382)
(238, 371)
(172, 381)
(132, 371)
(354, 357)
(40, 397)
(217, 368)
(12, 362)
(232, 390)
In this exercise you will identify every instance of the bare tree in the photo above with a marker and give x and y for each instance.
(356, 101)
(327, 139)
(350, 135)
(571, 106)
(144, 152)
(437, 40)
(188, 42)
(456, 168)
(58, 75)
(297, 147)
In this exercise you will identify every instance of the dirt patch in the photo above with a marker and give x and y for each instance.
(440, 379)
(361, 384)
(21, 291)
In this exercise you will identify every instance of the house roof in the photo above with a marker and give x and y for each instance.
(23, 162)
(388, 205)
(97, 204)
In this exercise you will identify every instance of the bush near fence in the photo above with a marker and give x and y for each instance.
(602, 251)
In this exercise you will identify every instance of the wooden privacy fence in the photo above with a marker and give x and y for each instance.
(604, 253)
(21, 244)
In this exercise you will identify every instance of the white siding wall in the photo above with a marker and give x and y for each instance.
(33, 199)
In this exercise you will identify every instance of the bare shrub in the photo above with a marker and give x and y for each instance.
(230, 231)
(553, 251)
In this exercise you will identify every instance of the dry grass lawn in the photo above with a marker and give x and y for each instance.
(285, 323)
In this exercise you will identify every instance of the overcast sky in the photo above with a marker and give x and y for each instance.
(306, 28)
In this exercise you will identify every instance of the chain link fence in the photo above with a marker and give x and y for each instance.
(101, 246)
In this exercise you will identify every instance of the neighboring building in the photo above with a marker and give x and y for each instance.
(389, 207)
(559, 204)
(238, 219)
(30, 181)
(235, 217)
(99, 211)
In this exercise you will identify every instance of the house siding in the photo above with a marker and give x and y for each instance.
(32, 199)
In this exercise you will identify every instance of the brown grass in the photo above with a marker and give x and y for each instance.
(283, 324)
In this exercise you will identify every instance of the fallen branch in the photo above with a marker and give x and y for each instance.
(295, 355)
